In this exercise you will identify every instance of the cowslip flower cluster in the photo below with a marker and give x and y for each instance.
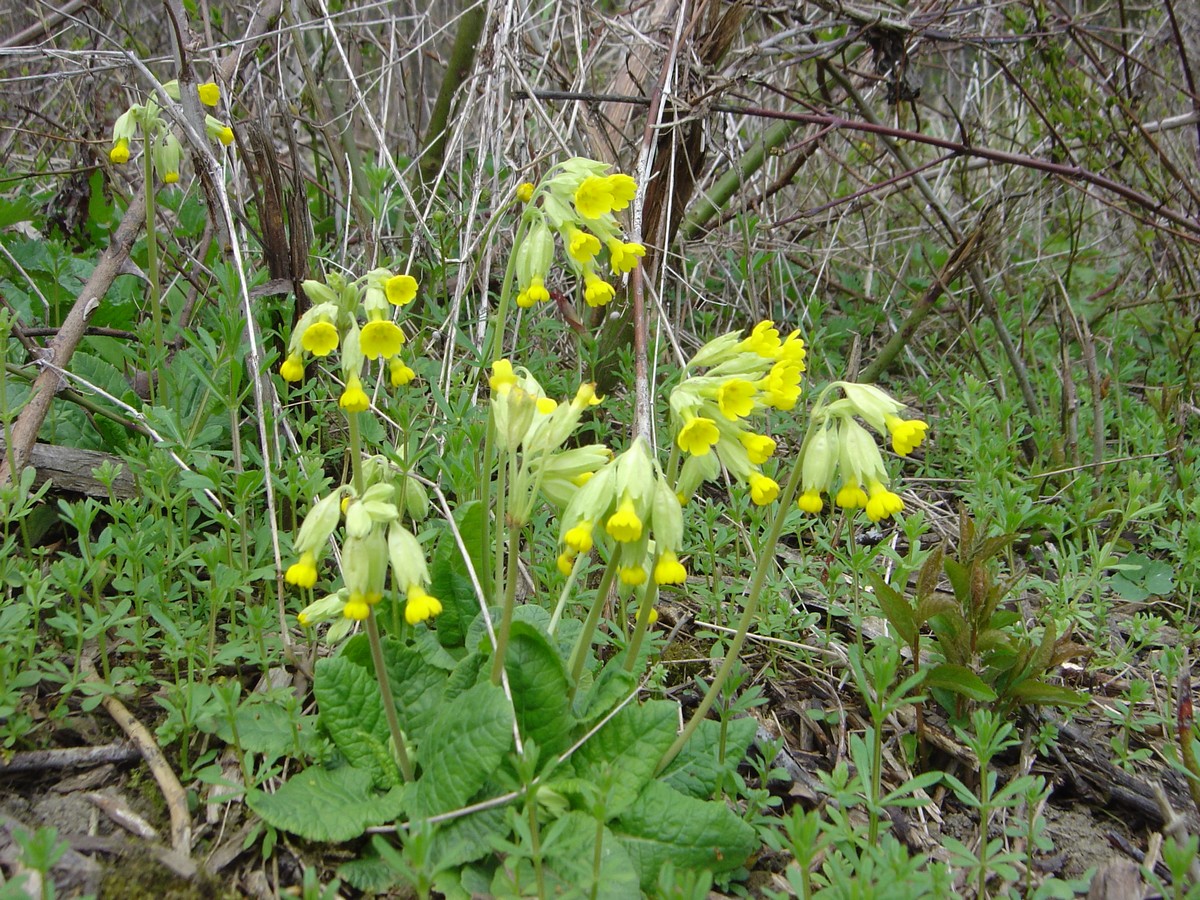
(332, 323)
(530, 429)
(744, 377)
(631, 504)
(576, 202)
(838, 448)
(374, 542)
(164, 148)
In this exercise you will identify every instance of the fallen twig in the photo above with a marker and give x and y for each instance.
(172, 790)
(69, 758)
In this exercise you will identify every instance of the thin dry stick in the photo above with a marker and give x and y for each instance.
(172, 791)
(643, 408)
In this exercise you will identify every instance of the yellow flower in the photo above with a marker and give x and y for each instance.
(292, 368)
(818, 467)
(792, 349)
(597, 291)
(759, 447)
(565, 563)
(763, 340)
(420, 606)
(303, 572)
(622, 189)
(669, 570)
(120, 151)
(579, 538)
(882, 502)
(697, 436)
(593, 197)
(321, 610)
(624, 525)
(380, 338)
(218, 130)
(320, 338)
(525, 191)
(582, 246)
(401, 289)
(851, 496)
(763, 490)
(167, 154)
(357, 607)
(810, 501)
(399, 372)
(781, 387)
(907, 434)
(632, 575)
(210, 94)
(735, 398)
(535, 293)
(354, 398)
(623, 257)
(502, 376)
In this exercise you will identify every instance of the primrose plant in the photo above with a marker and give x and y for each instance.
(511, 756)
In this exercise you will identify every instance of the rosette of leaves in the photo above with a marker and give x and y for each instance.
(580, 804)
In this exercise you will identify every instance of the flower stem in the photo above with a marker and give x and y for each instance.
(355, 453)
(766, 559)
(385, 691)
(157, 366)
(510, 601)
(495, 344)
(568, 588)
(645, 607)
(579, 654)
(498, 578)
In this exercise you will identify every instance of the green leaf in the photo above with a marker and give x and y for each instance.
(960, 578)
(263, 727)
(327, 805)
(662, 825)
(934, 605)
(469, 671)
(698, 766)
(477, 636)
(17, 209)
(570, 847)
(417, 687)
(1159, 578)
(467, 740)
(540, 690)
(467, 838)
(370, 874)
(960, 680)
(448, 581)
(989, 547)
(621, 757)
(927, 578)
(612, 685)
(351, 710)
(1035, 692)
(895, 608)
(1138, 577)
(417, 682)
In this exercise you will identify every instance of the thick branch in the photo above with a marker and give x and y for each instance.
(112, 260)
